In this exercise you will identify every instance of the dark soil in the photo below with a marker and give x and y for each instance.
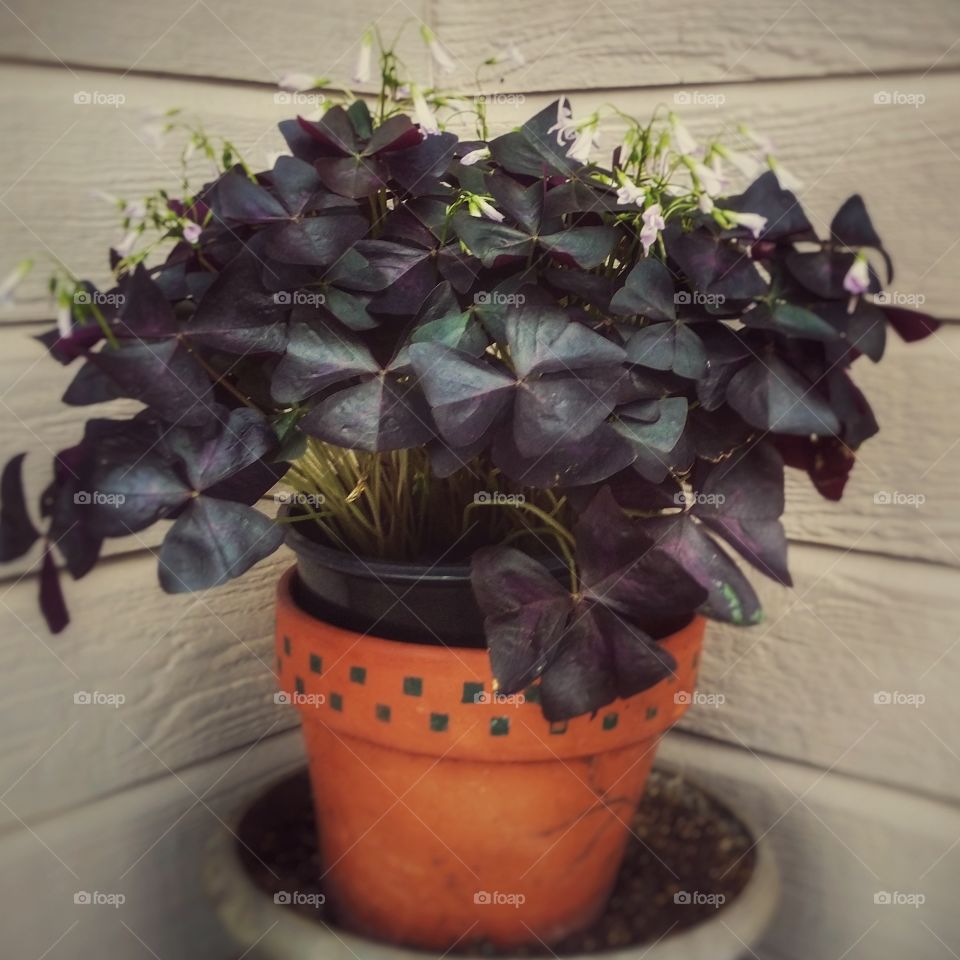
(691, 844)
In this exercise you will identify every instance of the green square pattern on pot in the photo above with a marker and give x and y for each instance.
(358, 675)
(471, 691)
(316, 663)
(499, 726)
(439, 722)
(413, 686)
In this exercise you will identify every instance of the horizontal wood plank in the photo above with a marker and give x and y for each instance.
(851, 670)
(600, 45)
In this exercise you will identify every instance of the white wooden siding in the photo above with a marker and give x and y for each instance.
(87, 791)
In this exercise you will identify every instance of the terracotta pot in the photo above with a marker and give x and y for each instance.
(448, 816)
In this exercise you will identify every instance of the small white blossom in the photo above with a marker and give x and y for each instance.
(705, 203)
(857, 279)
(426, 118)
(746, 164)
(565, 128)
(752, 221)
(437, 51)
(653, 223)
(9, 284)
(479, 207)
(629, 192)
(710, 181)
(192, 231)
(585, 139)
(362, 72)
(64, 320)
(681, 138)
(469, 159)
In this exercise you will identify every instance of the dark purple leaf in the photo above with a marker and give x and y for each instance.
(145, 312)
(791, 320)
(237, 315)
(237, 199)
(354, 177)
(377, 415)
(52, 604)
(648, 292)
(17, 532)
(416, 168)
(823, 272)
(771, 395)
(316, 357)
(910, 325)
(730, 597)
(495, 244)
(317, 241)
(525, 611)
(545, 340)
(591, 460)
(653, 429)
(164, 375)
(585, 247)
(785, 216)
(669, 346)
(715, 266)
(213, 541)
(466, 395)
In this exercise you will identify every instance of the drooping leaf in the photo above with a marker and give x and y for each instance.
(526, 610)
(52, 604)
(213, 541)
(730, 597)
(17, 532)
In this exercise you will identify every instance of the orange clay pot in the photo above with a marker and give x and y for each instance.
(446, 816)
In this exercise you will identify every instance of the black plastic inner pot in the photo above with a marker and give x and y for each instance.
(396, 600)
(410, 602)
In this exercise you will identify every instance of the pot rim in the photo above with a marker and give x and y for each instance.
(245, 910)
(394, 571)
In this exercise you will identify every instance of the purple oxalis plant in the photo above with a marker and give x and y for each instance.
(634, 337)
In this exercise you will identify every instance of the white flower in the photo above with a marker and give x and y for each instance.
(585, 139)
(469, 159)
(705, 203)
(12, 280)
(439, 54)
(710, 181)
(742, 161)
(565, 128)
(752, 221)
(653, 223)
(479, 207)
(192, 231)
(426, 118)
(857, 280)
(362, 72)
(294, 82)
(786, 179)
(64, 320)
(681, 137)
(629, 192)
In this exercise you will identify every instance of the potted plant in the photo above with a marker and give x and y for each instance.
(523, 403)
